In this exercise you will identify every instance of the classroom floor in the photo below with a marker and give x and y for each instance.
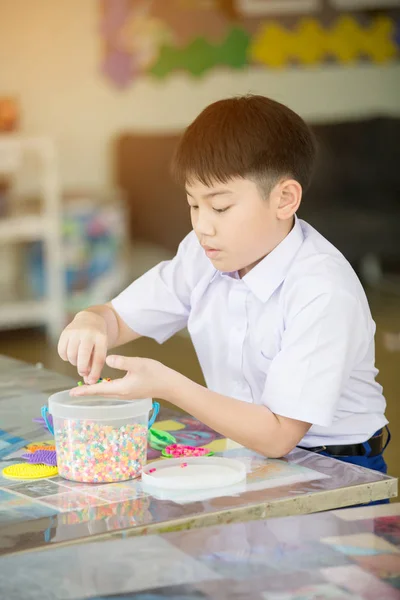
(178, 353)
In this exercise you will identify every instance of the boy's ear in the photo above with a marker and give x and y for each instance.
(288, 194)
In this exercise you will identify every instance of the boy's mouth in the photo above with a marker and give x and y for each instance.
(211, 252)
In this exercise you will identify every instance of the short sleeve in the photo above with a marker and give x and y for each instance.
(322, 342)
(157, 304)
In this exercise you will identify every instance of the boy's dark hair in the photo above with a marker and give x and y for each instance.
(249, 136)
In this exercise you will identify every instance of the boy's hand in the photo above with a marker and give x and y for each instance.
(84, 344)
(145, 378)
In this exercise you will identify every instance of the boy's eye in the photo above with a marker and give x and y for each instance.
(217, 210)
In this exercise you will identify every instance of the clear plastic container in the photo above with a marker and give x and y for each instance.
(99, 440)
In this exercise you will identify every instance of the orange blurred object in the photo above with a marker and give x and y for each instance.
(9, 114)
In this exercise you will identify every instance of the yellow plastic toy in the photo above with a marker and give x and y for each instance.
(29, 471)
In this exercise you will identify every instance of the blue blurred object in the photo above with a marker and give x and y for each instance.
(10, 443)
(92, 238)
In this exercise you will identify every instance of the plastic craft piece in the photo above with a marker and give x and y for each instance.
(42, 421)
(194, 474)
(181, 451)
(45, 457)
(40, 446)
(158, 439)
(27, 471)
(98, 381)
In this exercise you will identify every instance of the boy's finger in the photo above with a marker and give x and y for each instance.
(72, 350)
(104, 388)
(86, 377)
(84, 354)
(122, 363)
(62, 346)
(98, 359)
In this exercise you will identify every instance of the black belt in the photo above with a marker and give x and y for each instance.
(376, 445)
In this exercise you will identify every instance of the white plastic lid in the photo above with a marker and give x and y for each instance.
(97, 408)
(193, 473)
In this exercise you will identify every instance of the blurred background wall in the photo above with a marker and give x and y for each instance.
(52, 55)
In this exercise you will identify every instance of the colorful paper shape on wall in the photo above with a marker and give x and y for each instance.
(200, 55)
(144, 37)
(310, 43)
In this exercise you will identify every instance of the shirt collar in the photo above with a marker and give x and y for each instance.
(271, 271)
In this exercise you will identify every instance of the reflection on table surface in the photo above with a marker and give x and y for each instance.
(351, 554)
(34, 514)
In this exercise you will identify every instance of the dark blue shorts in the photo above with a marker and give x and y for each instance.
(376, 463)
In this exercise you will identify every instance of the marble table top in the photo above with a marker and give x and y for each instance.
(51, 512)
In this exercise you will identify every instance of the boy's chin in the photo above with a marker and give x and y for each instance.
(224, 266)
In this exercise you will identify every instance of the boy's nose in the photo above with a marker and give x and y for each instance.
(204, 226)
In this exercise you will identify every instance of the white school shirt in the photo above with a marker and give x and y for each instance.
(294, 334)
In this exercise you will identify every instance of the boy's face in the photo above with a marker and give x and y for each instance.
(236, 226)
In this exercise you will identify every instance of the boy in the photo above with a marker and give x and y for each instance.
(278, 318)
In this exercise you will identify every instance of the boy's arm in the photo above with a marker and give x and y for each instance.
(254, 426)
(326, 335)
(156, 305)
(86, 340)
(251, 425)
(118, 332)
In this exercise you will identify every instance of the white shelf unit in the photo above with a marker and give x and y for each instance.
(45, 226)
